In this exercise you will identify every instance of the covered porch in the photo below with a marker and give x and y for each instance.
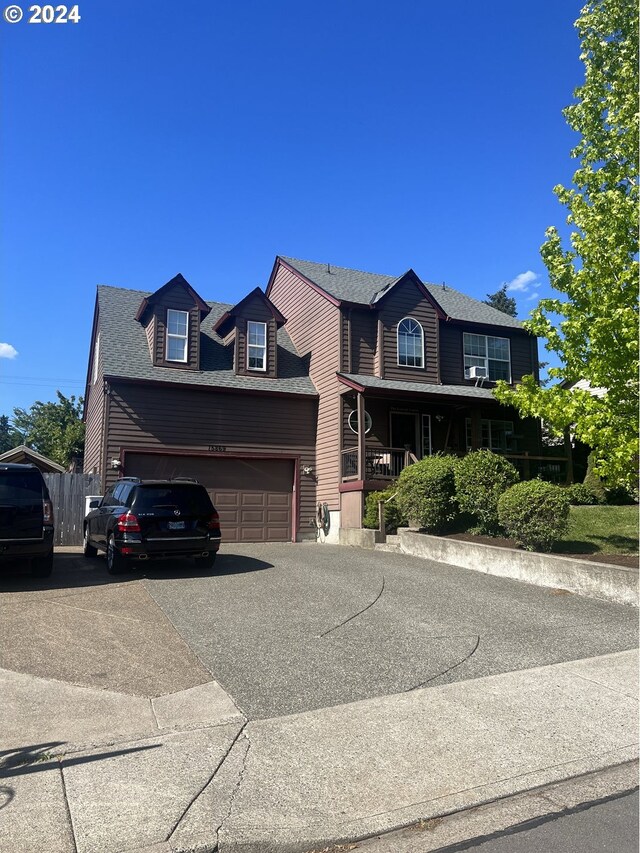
(388, 425)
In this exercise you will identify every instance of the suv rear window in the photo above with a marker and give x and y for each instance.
(20, 485)
(190, 499)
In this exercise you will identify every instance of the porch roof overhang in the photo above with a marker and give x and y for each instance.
(375, 386)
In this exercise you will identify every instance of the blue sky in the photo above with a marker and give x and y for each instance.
(205, 137)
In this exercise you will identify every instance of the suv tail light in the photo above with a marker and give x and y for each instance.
(128, 523)
(214, 521)
(47, 512)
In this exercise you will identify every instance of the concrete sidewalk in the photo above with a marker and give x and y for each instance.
(102, 772)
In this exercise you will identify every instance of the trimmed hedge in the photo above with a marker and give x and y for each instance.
(426, 493)
(480, 478)
(580, 495)
(534, 513)
(394, 518)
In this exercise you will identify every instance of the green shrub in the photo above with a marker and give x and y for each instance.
(580, 495)
(620, 496)
(481, 477)
(593, 482)
(534, 513)
(393, 516)
(426, 493)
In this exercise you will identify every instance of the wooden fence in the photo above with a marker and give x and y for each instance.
(68, 492)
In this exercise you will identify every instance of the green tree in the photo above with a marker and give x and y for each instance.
(500, 300)
(593, 325)
(9, 437)
(53, 429)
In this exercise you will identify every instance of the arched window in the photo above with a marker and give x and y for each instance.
(410, 343)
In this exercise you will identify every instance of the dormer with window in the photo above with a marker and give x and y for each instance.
(407, 340)
(251, 327)
(171, 318)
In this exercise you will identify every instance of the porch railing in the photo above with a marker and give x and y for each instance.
(381, 463)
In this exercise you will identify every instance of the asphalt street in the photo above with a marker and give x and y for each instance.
(611, 826)
(289, 628)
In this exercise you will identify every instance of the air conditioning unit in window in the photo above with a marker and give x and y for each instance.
(477, 372)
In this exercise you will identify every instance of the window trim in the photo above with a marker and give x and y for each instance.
(96, 359)
(423, 360)
(486, 357)
(171, 335)
(262, 347)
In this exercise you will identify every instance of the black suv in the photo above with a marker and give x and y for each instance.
(143, 519)
(26, 518)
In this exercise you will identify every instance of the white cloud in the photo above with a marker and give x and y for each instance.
(7, 351)
(533, 296)
(522, 281)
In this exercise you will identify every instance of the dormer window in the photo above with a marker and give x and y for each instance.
(256, 346)
(177, 332)
(410, 343)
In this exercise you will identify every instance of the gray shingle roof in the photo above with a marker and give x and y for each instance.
(374, 382)
(125, 352)
(364, 287)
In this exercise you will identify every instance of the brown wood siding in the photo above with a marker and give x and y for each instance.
(345, 343)
(314, 327)
(364, 332)
(95, 403)
(178, 299)
(255, 309)
(523, 347)
(94, 422)
(406, 300)
(188, 419)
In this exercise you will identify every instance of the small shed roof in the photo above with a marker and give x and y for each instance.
(23, 454)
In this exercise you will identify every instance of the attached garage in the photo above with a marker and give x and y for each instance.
(253, 495)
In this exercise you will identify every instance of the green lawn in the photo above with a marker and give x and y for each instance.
(601, 530)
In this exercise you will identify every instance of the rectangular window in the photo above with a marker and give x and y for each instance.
(256, 346)
(177, 332)
(489, 352)
(494, 435)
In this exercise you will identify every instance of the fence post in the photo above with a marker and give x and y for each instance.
(381, 519)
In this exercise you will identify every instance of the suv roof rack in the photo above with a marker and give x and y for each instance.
(130, 479)
(184, 480)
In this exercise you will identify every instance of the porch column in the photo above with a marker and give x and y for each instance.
(361, 437)
(568, 449)
(476, 437)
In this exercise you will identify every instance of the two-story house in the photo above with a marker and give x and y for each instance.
(313, 393)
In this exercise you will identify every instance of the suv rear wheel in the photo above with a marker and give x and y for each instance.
(87, 548)
(115, 560)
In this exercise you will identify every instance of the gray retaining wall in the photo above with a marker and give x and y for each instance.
(595, 580)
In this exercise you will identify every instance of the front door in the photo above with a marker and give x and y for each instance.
(404, 431)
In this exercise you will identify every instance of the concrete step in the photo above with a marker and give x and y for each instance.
(392, 544)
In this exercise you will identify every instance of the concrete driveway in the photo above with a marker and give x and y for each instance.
(290, 628)
(178, 711)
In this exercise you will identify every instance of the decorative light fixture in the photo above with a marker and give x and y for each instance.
(307, 469)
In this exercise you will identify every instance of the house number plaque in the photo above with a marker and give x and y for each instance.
(217, 448)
